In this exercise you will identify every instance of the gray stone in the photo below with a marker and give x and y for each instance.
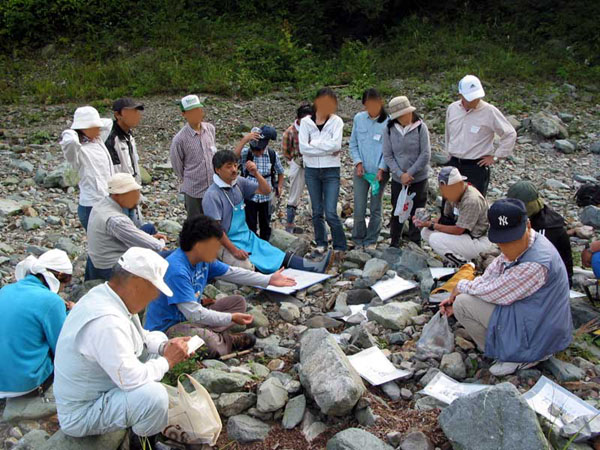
(352, 274)
(583, 311)
(53, 220)
(416, 440)
(392, 390)
(564, 146)
(590, 215)
(271, 396)
(259, 370)
(548, 126)
(399, 338)
(246, 429)
(356, 439)
(394, 315)
(595, 148)
(62, 177)
(359, 296)
(361, 337)
(327, 375)
(33, 440)
(288, 242)
(553, 184)
(486, 412)
(145, 176)
(439, 158)
(32, 223)
(323, 322)
(563, 371)
(453, 365)
(24, 166)
(375, 269)
(358, 257)
(30, 407)
(260, 319)
(226, 286)
(68, 246)
(9, 207)
(107, 441)
(294, 412)
(365, 416)
(232, 404)
(219, 382)
(170, 227)
(565, 117)
(82, 289)
(289, 312)
(311, 427)
(215, 364)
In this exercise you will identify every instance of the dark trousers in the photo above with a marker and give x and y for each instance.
(259, 214)
(478, 176)
(193, 206)
(419, 201)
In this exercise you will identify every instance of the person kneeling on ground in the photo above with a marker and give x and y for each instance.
(590, 257)
(107, 367)
(191, 267)
(31, 317)
(111, 231)
(224, 202)
(459, 235)
(518, 311)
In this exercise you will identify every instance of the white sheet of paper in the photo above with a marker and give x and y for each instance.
(388, 288)
(194, 344)
(373, 366)
(303, 280)
(546, 393)
(575, 294)
(440, 272)
(354, 310)
(447, 389)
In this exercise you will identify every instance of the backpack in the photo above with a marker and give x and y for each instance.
(272, 159)
(588, 194)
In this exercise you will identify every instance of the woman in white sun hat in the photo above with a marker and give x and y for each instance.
(83, 147)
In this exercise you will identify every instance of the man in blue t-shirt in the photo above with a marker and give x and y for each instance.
(191, 267)
(590, 257)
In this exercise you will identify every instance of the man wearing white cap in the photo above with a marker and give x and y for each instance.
(107, 367)
(191, 152)
(111, 232)
(31, 317)
(471, 124)
(460, 234)
(83, 148)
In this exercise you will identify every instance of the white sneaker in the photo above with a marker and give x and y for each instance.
(321, 250)
(501, 368)
(371, 247)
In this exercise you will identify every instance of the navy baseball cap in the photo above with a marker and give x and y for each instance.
(127, 103)
(267, 133)
(508, 220)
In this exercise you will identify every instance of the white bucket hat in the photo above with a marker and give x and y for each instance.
(121, 183)
(399, 106)
(148, 265)
(86, 117)
(470, 88)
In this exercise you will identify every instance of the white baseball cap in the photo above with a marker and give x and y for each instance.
(190, 102)
(450, 175)
(86, 117)
(148, 265)
(470, 88)
(121, 183)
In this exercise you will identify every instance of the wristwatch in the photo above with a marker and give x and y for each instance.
(495, 159)
(431, 226)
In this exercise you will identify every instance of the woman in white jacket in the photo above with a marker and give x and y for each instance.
(84, 149)
(320, 141)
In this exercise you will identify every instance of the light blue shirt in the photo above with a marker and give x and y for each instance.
(366, 142)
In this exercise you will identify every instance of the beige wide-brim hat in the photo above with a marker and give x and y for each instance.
(399, 106)
(122, 183)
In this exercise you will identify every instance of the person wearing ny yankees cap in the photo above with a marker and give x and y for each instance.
(191, 154)
(459, 235)
(518, 311)
(471, 125)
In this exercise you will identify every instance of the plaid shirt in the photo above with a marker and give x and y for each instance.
(263, 164)
(191, 158)
(290, 144)
(504, 283)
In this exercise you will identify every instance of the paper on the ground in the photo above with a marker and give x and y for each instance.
(388, 288)
(441, 272)
(447, 389)
(194, 344)
(557, 404)
(303, 280)
(575, 294)
(356, 309)
(373, 366)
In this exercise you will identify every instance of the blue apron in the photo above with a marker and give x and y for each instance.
(264, 256)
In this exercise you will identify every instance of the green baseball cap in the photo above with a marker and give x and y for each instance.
(523, 190)
(190, 102)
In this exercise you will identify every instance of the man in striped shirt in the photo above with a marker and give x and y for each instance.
(191, 153)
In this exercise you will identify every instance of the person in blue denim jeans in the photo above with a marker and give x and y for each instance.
(366, 149)
(320, 141)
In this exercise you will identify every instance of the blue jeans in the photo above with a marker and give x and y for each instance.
(361, 234)
(147, 228)
(324, 189)
(83, 212)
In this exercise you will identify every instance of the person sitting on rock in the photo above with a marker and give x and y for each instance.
(31, 317)
(224, 202)
(107, 367)
(260, 207)
(111, 232)
(460, 234)
(545, 221)
(191, 267)
(518, 311)
(84, 149)
(590, 257)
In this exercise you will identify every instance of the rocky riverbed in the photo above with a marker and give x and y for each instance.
(296, 390)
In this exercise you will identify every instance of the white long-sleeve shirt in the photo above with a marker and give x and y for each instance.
(92, 161)
(317, 147)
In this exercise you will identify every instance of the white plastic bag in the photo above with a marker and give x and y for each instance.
(404, 204)
(436, 338)
(193, 418)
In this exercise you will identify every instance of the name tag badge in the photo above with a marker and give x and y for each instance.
(456, 212)
(377, 137)
(475, 129)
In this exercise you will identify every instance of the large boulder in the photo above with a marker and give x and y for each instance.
(590, 215)
(502, 418)
(394, 315)
(548, 125)
(271, 396)
(30, 407)
(375, 269)
(107, 441)
(245, 429)
(219, 382)
(287, 242)
(235, 403)
(327, 375)
(356, 439)
(63, 176)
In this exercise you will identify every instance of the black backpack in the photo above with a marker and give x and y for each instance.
(272, 159)
(588, 194)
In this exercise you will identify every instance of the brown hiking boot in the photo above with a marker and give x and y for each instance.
(242, 341)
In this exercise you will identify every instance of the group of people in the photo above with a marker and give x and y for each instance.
(106, 363)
